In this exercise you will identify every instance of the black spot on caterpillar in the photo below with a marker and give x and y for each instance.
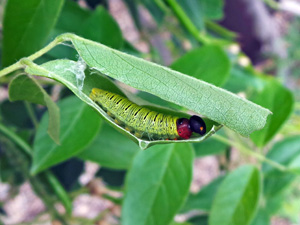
(143, 122)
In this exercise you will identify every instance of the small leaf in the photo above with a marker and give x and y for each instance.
(26, 27)
(199, 11)
(101, 27)
(237, 198)
(108, 152)
(208, 63)
(79, 125)
(167, 170)
(283, 152)
(25, 88)
(280, 101)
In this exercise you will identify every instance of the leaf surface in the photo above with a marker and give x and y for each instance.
(215, 103)
(26, 27)
(167, 170)
(208, 63)
(108, 152)
(237, 198)
(79, 125)
(280, 101)
(25, 88)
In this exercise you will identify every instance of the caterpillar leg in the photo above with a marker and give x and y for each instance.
(128, 129)
(138, 134)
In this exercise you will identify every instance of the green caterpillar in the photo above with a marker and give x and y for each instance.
(143, 122)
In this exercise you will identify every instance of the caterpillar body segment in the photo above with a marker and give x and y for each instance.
(143, 122)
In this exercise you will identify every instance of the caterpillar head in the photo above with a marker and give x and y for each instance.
(197, 125)
(185, 127)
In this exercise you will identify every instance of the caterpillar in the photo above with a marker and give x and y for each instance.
(143, 122)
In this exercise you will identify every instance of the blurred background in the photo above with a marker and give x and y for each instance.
(264, 36)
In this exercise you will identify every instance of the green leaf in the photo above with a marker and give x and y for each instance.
(262, 218)
(208, 63)
(12, 113)
(97, 25)
(237, 198)
(108, 152)
(72, 17)
(194, 10)
(71, 74)
(243, 80)
(283, 152)
(199, 220)
(217, 104)
(101, 27)
(78, 127)
(157, 184)
(280, 101)
(198, 11)
(213, 9)
(277, 183)
(295, 165)
(204, 198)
(25, 88)
(26, 27)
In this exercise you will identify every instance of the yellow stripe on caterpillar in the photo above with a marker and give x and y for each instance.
(144, 122)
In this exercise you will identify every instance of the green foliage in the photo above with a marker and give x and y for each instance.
(108, 152)
(201, 81)
(79, 126)
(204, 198)
(168, 173)
(225, 108)
(237, 197)
(280, 101)
(197, 63)
(26, 27)
(25, 88)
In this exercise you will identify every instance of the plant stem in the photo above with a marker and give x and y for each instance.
(31, 114)
(247, 151)
(19, 64)
(16, 139)
(185, 20)
(220, 30)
